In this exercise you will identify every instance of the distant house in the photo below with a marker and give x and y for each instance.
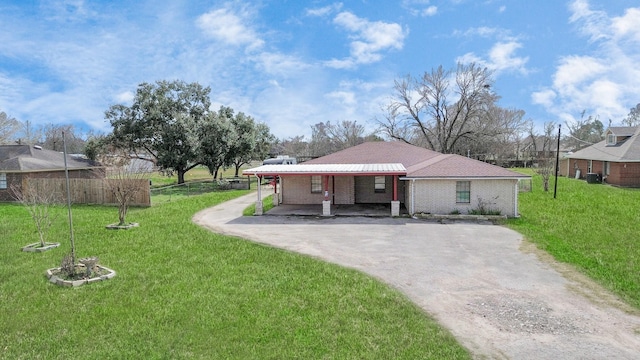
(616, 159)
(21, 162)
(421, 180)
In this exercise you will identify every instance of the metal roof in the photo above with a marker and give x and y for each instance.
(328, 169)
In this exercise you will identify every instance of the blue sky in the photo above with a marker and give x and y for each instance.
(292, 64)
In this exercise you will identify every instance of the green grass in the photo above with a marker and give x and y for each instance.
(183, 292)
(591, 226)
(267, 204)
(199, 173)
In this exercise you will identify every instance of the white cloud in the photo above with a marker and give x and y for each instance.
(124, 97)
(280, 64)
(420, 7)
(230, 26)
(603, 83)
(324, 11)
(430, 11)
(500, 58)
(628, 25)
(369, 39)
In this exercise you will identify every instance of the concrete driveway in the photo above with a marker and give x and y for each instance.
(499, 299)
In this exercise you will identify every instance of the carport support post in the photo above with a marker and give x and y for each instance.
(259, 201)
(275, 198)
(395, 204)
(326, 203)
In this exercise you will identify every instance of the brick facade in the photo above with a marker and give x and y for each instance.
(439, 196)
(348, 190)
(620, 174)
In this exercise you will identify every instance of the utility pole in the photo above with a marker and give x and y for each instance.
(555, 186)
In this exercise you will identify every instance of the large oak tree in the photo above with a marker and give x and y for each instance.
(162, 122)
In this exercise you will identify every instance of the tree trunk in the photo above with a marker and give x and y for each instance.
(181, 176)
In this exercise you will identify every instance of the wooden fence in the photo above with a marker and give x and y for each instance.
(89, 191)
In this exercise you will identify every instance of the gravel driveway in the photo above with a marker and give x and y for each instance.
(500, 298)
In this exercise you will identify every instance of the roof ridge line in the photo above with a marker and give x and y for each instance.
(434, 160)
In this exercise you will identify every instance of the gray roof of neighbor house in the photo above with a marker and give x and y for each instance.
(626, 150)
(27, 158)
(419, 162)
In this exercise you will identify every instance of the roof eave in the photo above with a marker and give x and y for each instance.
(329, 173)
(465, 177)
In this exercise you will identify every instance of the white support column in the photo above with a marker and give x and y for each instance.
(276, 193)
(326, 208)
(515, 200)
(259, 201)
(395, 208)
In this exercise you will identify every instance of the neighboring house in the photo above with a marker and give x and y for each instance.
(422, 180)
(616, 159)
(20, 162)
(540, 147)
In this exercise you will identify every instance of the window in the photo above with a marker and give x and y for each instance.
(3, 181)
(380, 184)
(611, 139)
(316, 184)
(463, 192)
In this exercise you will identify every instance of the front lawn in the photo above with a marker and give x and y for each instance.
(182, 292)
(594, 227)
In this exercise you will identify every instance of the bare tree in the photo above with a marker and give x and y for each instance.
(29, 134)
(53, 138)
(584, 132)
(40, 201)
(330, 137)
(126, 177)
(440, 108)
(633, 119)
(546, 155)
(8, 127)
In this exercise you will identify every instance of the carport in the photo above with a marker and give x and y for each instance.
(335, 181)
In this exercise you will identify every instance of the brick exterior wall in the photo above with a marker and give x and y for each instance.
(365, 191)
(297, 190)
(620, 174)
(439, 196)
(629, 174)
(345, 190)
(348, 190)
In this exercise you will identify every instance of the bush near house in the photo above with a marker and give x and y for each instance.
(591, 226)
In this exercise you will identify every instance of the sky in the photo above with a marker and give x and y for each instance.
(292, 64)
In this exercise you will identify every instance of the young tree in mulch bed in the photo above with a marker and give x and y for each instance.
(41, 202)
(126, 178)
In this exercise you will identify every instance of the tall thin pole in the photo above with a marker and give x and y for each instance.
(66, 175)
(555, 186)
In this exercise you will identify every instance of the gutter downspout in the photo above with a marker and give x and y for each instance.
(413, 196)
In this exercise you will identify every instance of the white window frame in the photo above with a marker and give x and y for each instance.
(380, 184)
(607, 168)
(590, 166)
(3, 181)
(463, 188)
(611, 139)
(316, 184)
